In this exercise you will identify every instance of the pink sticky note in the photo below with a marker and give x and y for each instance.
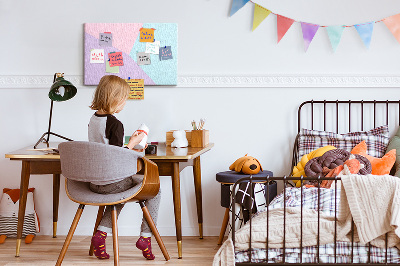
(116, 59)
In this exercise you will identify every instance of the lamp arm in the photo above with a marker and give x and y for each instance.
(50, 116)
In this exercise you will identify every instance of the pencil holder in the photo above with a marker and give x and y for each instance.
(199, 138)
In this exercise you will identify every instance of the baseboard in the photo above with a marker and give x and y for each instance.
(130, 231)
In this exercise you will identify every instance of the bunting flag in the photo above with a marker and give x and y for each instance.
(365, 32)
(309, 31)
(260, 13)
(335, 35)
(393, 23)
(283, 24)
(236, 5)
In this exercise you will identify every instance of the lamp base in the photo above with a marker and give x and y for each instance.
(45, 139)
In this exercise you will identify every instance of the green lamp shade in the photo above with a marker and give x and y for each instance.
(62, 90)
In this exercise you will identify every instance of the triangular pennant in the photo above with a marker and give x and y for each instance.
(260, 13)
(365, 32)
(335, 35)
(309, 31)
(283, 24)
(236, 5)
(393, 23)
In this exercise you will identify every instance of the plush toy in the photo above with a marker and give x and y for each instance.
(180, 140)
(9, 205)
(350, 166)
(246, 165)
(380, 166)
(298, 170)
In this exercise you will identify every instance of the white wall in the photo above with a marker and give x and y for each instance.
(40, 38)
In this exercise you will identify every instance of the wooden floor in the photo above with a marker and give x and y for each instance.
(44, 250)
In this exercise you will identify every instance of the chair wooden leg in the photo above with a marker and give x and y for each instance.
(70, 234)
(98, 220)
(154, 230)
(115, 235)
(223, 227)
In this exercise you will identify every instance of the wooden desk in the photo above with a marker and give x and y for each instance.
(170, 162)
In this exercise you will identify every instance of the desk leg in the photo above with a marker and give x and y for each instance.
(197, 187)
(25, 175)
(56, 199)
(176, 190)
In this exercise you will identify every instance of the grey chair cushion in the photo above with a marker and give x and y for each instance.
(80, 192)
(96, 162)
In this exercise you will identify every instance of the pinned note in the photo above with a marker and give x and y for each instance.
(147, 35)
(137, 89)
(153, 47)
(110, 69)
(96, 56)
(165, 53)
(105, 39)
(143, 59)
(116, 59)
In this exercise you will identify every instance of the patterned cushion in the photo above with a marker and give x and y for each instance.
(377, 139)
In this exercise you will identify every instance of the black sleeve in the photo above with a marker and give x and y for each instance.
(114, 131)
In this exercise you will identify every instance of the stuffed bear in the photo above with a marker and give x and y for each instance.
(180, 140)
(9, 205)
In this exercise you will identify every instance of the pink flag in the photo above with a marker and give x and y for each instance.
(283, 24)
(393, 23)
(309, 31)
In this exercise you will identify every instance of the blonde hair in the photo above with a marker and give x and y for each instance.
(109, 93)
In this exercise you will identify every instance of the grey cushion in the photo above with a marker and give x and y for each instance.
(96, 162)
(80, 192)
(230, 177)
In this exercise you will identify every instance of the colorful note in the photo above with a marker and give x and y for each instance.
(137, 89)
(115, 59)
(143, 59)
(165, 53)
(96, 56)
(147, 35)
(105, 39)
(153, 47)
(111, 69)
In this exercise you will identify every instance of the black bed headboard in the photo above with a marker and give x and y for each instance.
(346, 116)
(370, 111)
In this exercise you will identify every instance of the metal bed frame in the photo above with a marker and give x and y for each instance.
(337, 108)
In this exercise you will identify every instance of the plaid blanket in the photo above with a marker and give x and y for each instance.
(326, 252)
(244, 202)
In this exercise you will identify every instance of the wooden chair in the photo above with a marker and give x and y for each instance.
(83, 162)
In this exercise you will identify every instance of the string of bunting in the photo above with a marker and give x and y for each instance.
(309, 30)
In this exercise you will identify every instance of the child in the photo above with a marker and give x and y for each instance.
(110, 98)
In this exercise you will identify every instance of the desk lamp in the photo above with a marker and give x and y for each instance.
(61, 90)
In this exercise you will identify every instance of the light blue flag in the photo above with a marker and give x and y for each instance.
(236, 5)
(335, 35)
(365, 32)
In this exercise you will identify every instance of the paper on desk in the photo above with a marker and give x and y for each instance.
(48, 150)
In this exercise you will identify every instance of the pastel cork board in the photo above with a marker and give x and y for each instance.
(124, 43)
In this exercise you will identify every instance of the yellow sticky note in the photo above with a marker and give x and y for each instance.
(137, 89)
(146, 35)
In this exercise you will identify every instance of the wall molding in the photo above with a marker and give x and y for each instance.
(242, 81)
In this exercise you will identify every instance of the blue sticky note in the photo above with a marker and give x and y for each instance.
(165, 53)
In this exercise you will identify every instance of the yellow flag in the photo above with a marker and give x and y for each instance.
(260, 13)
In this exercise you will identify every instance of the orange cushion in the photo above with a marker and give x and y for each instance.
(380, 166)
